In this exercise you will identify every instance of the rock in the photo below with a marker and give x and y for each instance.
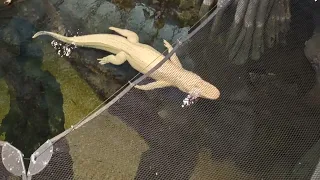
(146, 29)
(148, 32)
(167, 31)
(170, 33)
(110, 11)
(136, 19)
(139, 20)
(106, 15)
(79, 9)
(183, 32)
(32, 10)
(10, 36)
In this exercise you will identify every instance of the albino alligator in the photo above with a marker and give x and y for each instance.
(142, 57)
(7, 2)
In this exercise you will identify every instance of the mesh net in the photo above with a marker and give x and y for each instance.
(4, 173)
(60, 165)
(265, 125)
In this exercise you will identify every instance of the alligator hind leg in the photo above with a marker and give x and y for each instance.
(174, 58)
(130, 35)
(117, 59)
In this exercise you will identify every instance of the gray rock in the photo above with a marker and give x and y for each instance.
(99, 17)
(148, 32)
(10, 36)
(136, 19)
(110, 11)
(167, 32)
(181, 32)
(106, 15)
(158, 45)
(139, 20)
(79, 9)
(32, 10)
(170, 33)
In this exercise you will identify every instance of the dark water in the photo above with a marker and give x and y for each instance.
(36, 112)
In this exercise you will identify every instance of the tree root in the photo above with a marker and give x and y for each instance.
(222, 5)
(258, 43)
(256, 24)
(238, 21)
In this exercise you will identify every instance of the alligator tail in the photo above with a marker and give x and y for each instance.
(69, 40)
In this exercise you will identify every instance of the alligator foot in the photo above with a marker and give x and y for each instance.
(130, 35)
(174, 58)
(153, 85)
(117, 59)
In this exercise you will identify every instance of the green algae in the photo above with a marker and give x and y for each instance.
(78, 97)
(188, 17)
(124, 4)
(106, 149)
(207, 168)
(4, 103)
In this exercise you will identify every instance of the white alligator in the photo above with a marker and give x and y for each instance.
(142, 57)
(7, 2)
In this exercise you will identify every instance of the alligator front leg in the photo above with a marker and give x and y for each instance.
(153, 85)
(117, 59)
(174, 58)
(130, 35)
